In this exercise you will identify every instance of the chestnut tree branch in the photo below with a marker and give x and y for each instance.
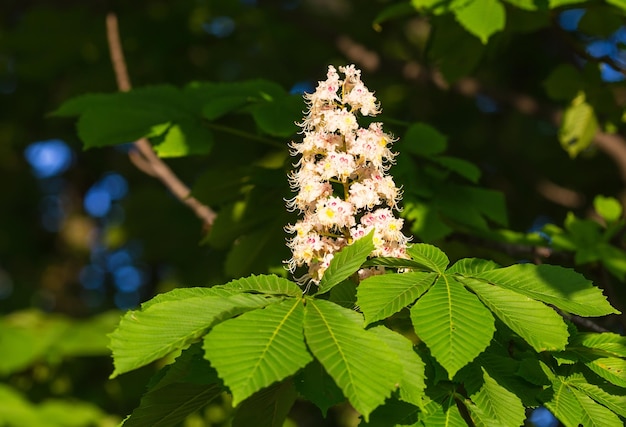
(144, 157)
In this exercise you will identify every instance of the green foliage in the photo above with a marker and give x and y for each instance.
(591, 241)
(468, 344)
(258, 348)
(176, 118)
(579, 126)
(439, 205)
(16, 410)
(30, 337)
(346, 262)
(273, 337)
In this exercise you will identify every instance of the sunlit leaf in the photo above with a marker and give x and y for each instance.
(346, 262)
(412, 382)
(499, 403)
(564, 404)
(258, 348)
(362, 365)
(578, 127)
(429, 256)
(482, 18)
(381, 296)
(470, 266)
(266, 284)
(538, 324)
(561, 287)
(453, 323)
(148, 334)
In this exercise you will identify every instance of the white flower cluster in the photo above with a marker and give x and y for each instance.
(343, 190)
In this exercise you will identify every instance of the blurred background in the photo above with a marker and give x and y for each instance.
(85, 234)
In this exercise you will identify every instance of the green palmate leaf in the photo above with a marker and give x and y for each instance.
(171, 404)
(412, 382)
(187, 137)
(346, 262)
(538, 324)
(258, 348)
(594, 414)
(563, 403)
(362, 365)
(608, 208)
(381, 296)
(479, 417)
(251, 252)
(344, 294)
(190, 367)
(278, 117)
(391, 12)
(429, 256)
(392, 263)
(423, 140)
(267, 408)
(314, 384)
(471, 266)
(461, 167)
(100, 127)
(453, 323)
(177, 390)
(612, 369)
(578, 127)
(161, 99)
(607, 341)
(159, 328)
(265, 284)
(561, 287)
(184, 293)
(446, 415)
(499, 403)
(482, 18)
(615, 400)
(117, 118)
(455, 54)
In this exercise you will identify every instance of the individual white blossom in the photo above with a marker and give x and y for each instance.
(343, 190)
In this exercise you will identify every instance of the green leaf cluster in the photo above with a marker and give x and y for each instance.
(480, 336)
(593, 241)
(446, 198)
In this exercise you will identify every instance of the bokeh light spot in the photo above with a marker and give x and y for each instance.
(569, 19)
(97, 201)
(118, 259)
(128, 278)
(48, 158)
(541, 417)
(115, 184)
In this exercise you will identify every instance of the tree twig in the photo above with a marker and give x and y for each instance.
(145, 158)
